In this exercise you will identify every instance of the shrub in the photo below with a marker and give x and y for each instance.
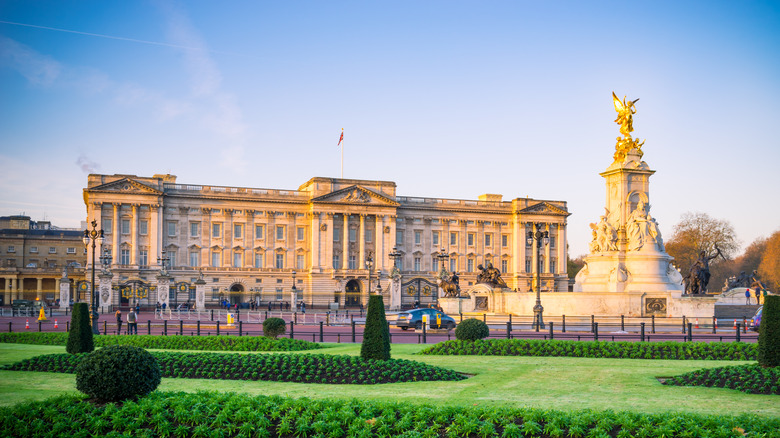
(80, 336)
(376, 336)
(769, 333)
(472, 330)
(274, 327)
(118, 373)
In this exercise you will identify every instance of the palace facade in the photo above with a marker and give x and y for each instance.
(254, 244)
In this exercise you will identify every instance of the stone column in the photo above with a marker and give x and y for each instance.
(379, 243)
(345, 243)
(249, 227)
(115, 237)
(200, 294)
(205, 238)
(292, 240)
(105, 291)
(39, 289)
(154, 238)
(134, 234)
(316, 248)
(361, 235)
(546, 267)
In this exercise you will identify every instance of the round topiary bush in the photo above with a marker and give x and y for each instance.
(471, 330)
(274, 327)
(118, 372)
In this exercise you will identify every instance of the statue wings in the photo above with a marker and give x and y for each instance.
(622, 106)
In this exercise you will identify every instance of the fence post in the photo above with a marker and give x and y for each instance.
(551, 330)
(353, 331)
(11, 328)
(165, 327)
(321, 331)
(105, 327)
(652, 323)
(683, 324)
(714, 325)
(690, 332)
(744, 325)
(595, 331)
(295, 317)
(508, 329)
(327, 319)
(622, 323)
(738, 335)
(212, 314)
(642, 332)
(425, 338)
(592, 323)
(484, 318)
(563, 323)
(181, 328)
(148, 327)
(217, 327)
(198, 327)
(510, 321)
(292, 329)
(241, 327)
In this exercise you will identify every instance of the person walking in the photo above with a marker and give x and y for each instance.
(118, 321)
(747, 296)
(132, 322)
(137, 309)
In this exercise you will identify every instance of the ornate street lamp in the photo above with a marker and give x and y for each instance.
(370, 267)
(163, 260)
(540, 237)
(379, 283)
(443, 257)
(395, 254)
(293, 292)
(96, 237)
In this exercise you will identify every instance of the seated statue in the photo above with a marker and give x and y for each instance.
(490, 275)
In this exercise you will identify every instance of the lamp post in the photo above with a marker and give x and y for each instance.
(370, 267)
(96, 237)
(395, 254)
(540, 237)
(162, 260)
(379, 283)
(293, 293)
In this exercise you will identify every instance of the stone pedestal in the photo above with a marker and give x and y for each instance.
(64, 294)
(395, 291)
(200, 294)
(163, 290)
(105, 292)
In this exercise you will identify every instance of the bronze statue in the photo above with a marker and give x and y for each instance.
(490, 275)
(699, 276)
(625, 119)
(450, 287)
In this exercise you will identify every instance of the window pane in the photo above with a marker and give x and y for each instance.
(352, 235)
(336, 262)
(453, 239)
(399, 237)
(216, 230)
(258, 231)
(300, 261)
(258, 260)
(369, 236)
(280, 232)
(488, 239)
(215, 259)
(171, 228)
(238, 231)
(435, 238)
(470, 239)
(194, 259)
(336, 234)
(279, 261)
(300, 233)
(194, 229)
(237, 260)
(125, 226)
(143, 228)
(417, 237)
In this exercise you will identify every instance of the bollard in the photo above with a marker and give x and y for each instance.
(592, 321)
(714, 325)
(744, 325)
(690, 332)
(484, 318)
(241, 327)
(11, 326)
(292, 330)
(738, 336)
(552, 336)
(314, 337)
(165, 327)
(238, 314)
(148, 327)
(266, 315)
(198, 327)
(321, 332)
(622, 323)
(353, 331)
(338, 338)
(212, 314)
(181, 328)
(105, 327)
(361, 310)
(642, 332)
(595, 331)
(683, 324)
(563, 323)
(424, 337)
(461, 317)
(217, 327)
(327, 319)
(39, 326)
(510, 321)
(508, 329)
(295, 317)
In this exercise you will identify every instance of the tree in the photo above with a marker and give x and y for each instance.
(747, 262)
(376, 335)
(769, 268)
(574, 265)
(698, 232)
(80, 335)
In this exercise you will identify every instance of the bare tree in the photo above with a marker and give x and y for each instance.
(697, 232)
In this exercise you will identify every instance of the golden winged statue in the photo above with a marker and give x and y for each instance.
(625, 119)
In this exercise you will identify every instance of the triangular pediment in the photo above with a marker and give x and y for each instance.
(356, 195)
(544, 208)
(126, 185)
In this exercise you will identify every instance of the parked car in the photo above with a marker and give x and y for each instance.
(414, 318)
(755, 322)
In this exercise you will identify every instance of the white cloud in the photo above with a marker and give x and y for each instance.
(38, 69)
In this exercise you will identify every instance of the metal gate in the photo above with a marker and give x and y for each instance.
(418, 291)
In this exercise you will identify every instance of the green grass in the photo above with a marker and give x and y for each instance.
(545, 382)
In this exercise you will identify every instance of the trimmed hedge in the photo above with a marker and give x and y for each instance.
(159, 342)
(753, 379)
(769, 333)
(618, 350)
(80, 339)
(274, 327)
(376, 336)
(472, 330)
(213, 414)
(306, 368)
(116, 373)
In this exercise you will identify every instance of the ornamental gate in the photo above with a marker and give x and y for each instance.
(132, 292)
(418, 290)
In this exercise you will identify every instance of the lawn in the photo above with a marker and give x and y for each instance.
(543, 382)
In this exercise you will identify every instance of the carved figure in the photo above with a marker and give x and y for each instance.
(636, 227)
(450, 287)
(607, 235)
(626, 111)
(699, 276)
(490, 275)
(655, 232)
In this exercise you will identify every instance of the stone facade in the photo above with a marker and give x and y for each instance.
(251, 243)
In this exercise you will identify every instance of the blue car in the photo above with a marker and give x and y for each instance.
(414, 318)
(755, 322)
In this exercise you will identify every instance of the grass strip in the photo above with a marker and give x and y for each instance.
(596, 349)
(752, 379)
(304, 368)
(207, 414)
(159, 342)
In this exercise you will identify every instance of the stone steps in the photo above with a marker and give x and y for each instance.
(735, 311)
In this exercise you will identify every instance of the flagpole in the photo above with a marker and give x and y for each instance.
(342, 153)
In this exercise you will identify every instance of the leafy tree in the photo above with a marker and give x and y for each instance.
(80, 336)
(698, 232)
(274, 327)
(376, 336)
(769, 268)
(574, 265)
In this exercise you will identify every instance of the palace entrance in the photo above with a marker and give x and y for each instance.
(418, 290)
(352, 294)
(235, 293)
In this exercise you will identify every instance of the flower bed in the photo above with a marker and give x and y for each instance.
(595, 349)
(209, 343)
(211, 414)
(753, 379)
(306, 368)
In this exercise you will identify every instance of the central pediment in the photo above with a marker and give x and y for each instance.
(544, 208)
(126, 185)
(356, 195)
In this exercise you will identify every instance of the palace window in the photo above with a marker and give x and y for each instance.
(417, 264)
(279, 261)
(369, 235)
(143, 228)
(125, 226)
(505, 240)
(216, 230)
(33, 250)
(107, 226)
(258, 231)
(504, 266)
(11, 248)
(336, 261)
(194, 259)
(435, 238)
(553, 265)
(52, 250)
(417, 237)
(300, 261)
(279, 292)
(352, 262)
(280, 232)
(470, 239)
(238, 259)
(238, 231)
(352, 235)
(143, 257)
(488, 239)
(453, 264)
(194, 229)
(435, 263)
(71, 250)
(470, 265)
(528, 266)
(258, 260)
(215, 259)
(552, 241)
(299, 233)
(336, 234)
(453, 238)
(399, 237)
(171, 228)
(124, 257)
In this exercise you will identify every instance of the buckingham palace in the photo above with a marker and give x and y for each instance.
(310, 245)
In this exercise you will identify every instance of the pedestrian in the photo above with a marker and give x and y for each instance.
(747, 296)
(132, 322)
(163, 306)
(137, 309)
(281, 305)
(758, 295)
(118, 321)
(303, 307)
(269, 306)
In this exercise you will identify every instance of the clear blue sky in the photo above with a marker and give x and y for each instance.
(446, 98)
